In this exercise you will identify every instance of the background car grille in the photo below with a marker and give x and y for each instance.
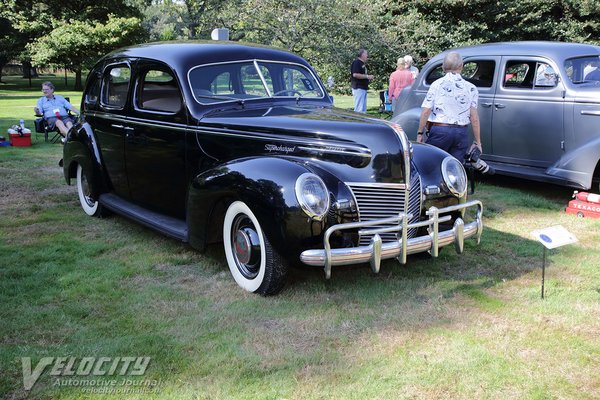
(381, 201)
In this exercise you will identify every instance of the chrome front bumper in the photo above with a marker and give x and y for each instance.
(377, 250)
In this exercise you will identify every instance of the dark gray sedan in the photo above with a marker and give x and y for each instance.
(539, 105)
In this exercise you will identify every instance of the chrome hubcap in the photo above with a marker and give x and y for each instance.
(246, 247)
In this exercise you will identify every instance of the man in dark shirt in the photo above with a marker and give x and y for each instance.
(360, 81)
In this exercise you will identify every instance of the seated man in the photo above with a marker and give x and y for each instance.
(54, 109)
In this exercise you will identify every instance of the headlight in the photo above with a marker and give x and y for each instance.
(312, 195)
(454, 175)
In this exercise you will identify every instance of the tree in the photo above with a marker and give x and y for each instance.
(79, 44)
(328, 34)
(37, 21)
(10, 43)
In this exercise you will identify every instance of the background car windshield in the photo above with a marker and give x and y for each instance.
(583, 69)
(242, 80)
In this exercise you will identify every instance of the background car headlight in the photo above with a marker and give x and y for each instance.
(455, 176)
(312, 195)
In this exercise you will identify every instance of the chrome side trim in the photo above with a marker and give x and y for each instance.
(587, 112)
(376, 251)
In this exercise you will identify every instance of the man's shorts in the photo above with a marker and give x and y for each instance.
(51, 121)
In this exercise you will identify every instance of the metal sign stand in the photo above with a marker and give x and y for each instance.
(543, 270)
(551, 238)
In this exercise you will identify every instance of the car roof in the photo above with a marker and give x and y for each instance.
(553, 50)
(186, 54)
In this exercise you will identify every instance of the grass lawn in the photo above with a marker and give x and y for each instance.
(468, 326)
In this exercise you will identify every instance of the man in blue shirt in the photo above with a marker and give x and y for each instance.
(54, 109)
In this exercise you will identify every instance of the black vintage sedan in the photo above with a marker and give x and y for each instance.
(217, 141)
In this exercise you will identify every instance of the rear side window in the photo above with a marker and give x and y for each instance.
(529, 74)
(116, 86)
(158, 91)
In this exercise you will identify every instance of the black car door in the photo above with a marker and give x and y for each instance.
(108, 120)
(155, 141)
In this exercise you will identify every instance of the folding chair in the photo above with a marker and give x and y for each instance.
(385, 106)
(41, 126)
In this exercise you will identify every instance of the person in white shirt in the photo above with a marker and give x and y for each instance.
(409, 66)
(449, 107)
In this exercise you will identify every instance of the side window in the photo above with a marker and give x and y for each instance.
(480, 72)
(158, 92)
(545, 76)
(434, 75)
(516, 74)
(529, 75)
(116, 85)
(93, 90)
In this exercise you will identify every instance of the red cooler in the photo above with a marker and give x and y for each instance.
(20, 139)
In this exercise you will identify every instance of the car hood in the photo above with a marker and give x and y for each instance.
(353, 146)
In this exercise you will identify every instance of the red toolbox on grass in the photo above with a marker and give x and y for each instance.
(584, 205)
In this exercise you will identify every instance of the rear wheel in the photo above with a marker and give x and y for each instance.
(253, 262)
(84, 189)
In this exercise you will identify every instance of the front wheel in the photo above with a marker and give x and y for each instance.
(253, 262)
(84, 189)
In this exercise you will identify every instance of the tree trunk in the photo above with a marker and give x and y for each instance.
(78, 83)
(26, 69)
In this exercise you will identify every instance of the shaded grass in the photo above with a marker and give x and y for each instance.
(459, 326)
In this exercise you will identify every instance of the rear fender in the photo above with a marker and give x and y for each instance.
(578, 165)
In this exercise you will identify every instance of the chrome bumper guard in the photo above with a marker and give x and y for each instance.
(377, 250)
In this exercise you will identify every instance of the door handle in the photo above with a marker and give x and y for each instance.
(117, 126)
(486, 104)
(128, 128)
(498, 105)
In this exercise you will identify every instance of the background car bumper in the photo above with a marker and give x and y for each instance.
(377, 250)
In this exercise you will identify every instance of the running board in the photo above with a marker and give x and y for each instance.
(530, 173)
(169, 226)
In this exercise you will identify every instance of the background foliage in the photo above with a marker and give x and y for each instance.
(327, 33)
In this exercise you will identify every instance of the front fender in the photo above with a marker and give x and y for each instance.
(578, 165)
(266, 185)
(82, 148)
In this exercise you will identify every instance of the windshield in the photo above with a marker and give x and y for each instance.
(252, 79)
(583, 69)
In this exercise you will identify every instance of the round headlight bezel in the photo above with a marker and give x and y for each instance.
(306, 206)
(450, 164)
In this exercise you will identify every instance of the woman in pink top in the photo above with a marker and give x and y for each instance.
(399, 79)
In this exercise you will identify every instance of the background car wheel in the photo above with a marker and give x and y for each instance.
(253, 262)
(84, 189)
(580, 214)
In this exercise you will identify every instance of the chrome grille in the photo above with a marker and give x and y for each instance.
(377, 201)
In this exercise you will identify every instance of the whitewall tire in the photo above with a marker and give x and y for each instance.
(89, 205)
(254, 264)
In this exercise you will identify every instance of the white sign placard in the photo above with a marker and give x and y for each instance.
(554, 236)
